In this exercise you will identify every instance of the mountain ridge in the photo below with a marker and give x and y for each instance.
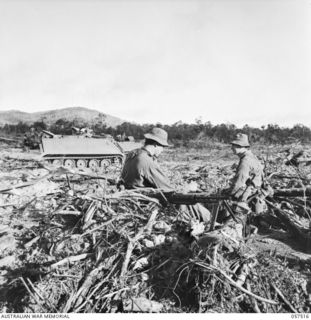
(78, 114)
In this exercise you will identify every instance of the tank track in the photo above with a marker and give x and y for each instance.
(95, 163)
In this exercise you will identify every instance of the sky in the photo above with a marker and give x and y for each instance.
(148, 61)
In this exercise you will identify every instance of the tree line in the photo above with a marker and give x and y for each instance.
(181, 134)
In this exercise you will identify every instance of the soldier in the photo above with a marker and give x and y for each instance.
(249, 174)
(32, 139)
(141, 170)
(247, 182)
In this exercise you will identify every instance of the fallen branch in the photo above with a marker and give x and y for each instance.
(99, 226)
(283, 298)
(26, 184)
(132, 242)
(68, 212)
(31, 242)
(88, 215)
(5, 139)
(209, 267)
(71, 259)
(229, 237)
(293, 192)
(33, 295)
(75, 302)
(84, 177)
(253, 301)
(8, 205)
(47, 302)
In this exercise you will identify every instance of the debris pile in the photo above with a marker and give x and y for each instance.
(71, 242)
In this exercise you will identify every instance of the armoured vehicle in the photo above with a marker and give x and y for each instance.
(81, 152)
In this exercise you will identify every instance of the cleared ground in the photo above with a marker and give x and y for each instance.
(71, 242)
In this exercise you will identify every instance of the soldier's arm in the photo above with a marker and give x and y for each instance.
(239, 181)
(157, 178)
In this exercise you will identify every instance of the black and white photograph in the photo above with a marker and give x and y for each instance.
(155, 158)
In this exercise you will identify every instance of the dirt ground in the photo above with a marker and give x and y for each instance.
(27, 221)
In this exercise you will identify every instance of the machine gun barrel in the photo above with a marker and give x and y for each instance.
(192, 198)
(204, 197)
(187, 198)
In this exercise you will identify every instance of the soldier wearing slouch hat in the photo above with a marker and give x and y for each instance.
(142, 170)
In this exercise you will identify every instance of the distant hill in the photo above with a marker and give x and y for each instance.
(79, 114)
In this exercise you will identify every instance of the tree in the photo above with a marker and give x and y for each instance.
(301, 132)
(40, 125)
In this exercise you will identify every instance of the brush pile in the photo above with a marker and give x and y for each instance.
(71, 242)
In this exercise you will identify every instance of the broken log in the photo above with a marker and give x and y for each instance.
(282, 176)
(298, 231)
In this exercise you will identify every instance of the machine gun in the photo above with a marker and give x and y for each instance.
(205, 197)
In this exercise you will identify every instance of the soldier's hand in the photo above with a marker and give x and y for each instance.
(191, 187)
(120, 185)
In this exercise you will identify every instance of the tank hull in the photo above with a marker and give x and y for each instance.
(82, 152)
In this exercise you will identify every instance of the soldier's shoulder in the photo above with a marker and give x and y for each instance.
(249, 157)
(249, 154)
(252, 159)
(139, 154)
(132, 154)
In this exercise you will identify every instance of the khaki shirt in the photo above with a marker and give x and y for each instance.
(141, 170)
(249, 173)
